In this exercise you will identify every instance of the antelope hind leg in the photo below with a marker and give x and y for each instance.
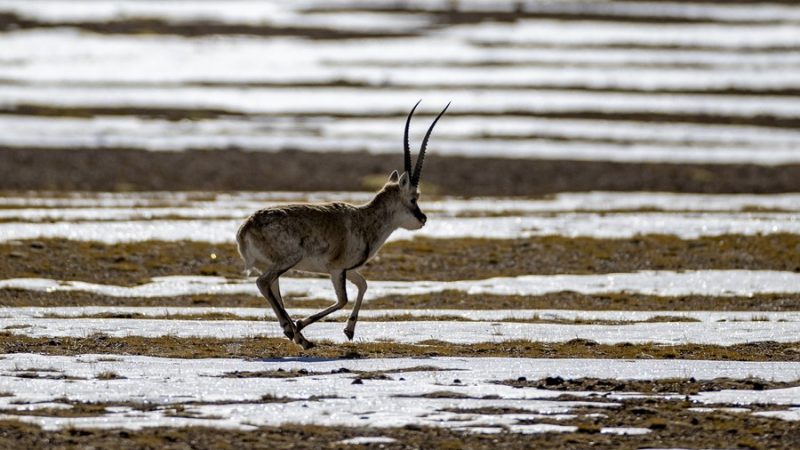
(265, 283)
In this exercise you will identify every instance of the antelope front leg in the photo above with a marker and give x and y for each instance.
(264, 283)
(361, 284)
(341, 294)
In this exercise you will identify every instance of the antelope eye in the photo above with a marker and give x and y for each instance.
(413, 201)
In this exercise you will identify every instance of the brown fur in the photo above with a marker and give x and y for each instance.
(331, 238)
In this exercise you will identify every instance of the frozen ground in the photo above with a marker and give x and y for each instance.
(330, 399)
(326, 398)
(675, 82)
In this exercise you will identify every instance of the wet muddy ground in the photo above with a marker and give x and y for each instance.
(225, 170)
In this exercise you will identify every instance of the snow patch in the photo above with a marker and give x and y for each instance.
(668, 333)
(165, 381)
(612, 226)
(658, 283)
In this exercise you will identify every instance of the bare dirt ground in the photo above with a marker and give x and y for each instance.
(670, 422)
(265, 347)
(443, 300)
(686, 386)
(419, 259)
(231, 169)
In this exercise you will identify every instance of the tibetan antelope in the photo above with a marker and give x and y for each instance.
(330, 238)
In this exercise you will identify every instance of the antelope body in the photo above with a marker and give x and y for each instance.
(330, 238)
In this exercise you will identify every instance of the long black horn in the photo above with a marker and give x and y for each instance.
(421, 157)
(407, 148)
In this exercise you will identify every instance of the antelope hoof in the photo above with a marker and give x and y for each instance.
(303, 342)
(349, 333)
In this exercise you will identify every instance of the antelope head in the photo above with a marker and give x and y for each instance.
(407, 184)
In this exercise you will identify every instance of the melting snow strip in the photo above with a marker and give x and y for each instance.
(356, 101)
(249, 11)
(255, 134)
(82, 205)
(662, 283)
(496, 315)
(670, 333)
(238, 206)
(614, 226)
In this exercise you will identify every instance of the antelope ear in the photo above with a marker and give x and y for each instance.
(404, 182)
(393, 177)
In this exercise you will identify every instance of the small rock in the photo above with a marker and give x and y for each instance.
(522, 379)
(36, 244)
(553, 381)
(456, 381)
(303, 372)
(358, 381)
